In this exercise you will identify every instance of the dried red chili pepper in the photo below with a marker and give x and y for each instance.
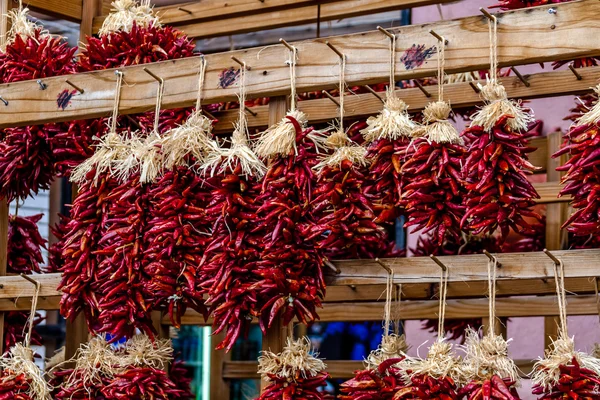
(25, 244)
(26, 161)
(573, 382)
(55, 260)
(293, 374)
(141, 383)
(455, 328)
(288, 262)
(178, 373)
(14, 328)
(14, 387)
(582, 179)
(493, 388)
(20, 378)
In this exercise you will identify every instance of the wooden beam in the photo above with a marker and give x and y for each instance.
(548, 192)
(338, 369)
(3, 258)
(64, 9)
(90, 9)
(540, 306)
(225, 17)
(525, 36)
(219, 389)
(468, 268)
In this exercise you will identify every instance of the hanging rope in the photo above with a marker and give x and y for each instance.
(397, 317)
(201, 76)
(492, 272)
(441, 56)
(115, 111)
(493, 33)
(292, 63)
(442, 305)
(559, 278)
(342, 85)
(31, 320)
(157, 107)
(390, 89)
(387, 310)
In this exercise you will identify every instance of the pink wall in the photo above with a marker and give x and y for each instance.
(527, 333)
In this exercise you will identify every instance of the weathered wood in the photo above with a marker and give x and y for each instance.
(90, 8)
(338, 369)
(548, 192)
(525, 37)
(77, 333)
(225, 17)
(467, 268)
(540, 306)
(3, 255)
(65, 9)
(219, 389)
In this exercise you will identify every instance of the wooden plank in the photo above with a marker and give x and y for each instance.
(65, 9)
(540, 306)
(90, 9)
(338, 369)
(219, 389)
(77, 333)
(525, 37)
(224, 16)
(548, 192)
(468, 268)
(330, 11)
(3, 257)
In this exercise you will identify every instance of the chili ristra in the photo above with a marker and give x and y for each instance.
(380, 383)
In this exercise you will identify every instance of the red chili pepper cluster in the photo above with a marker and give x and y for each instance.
(493, 388)
(55, 260)
(574, 383)
(498, 192)
(455, 329)
(141, 383)
(74, 143)
(15, 323)
(228, 270)
(344, 218)
(374, 384)
(582, 179)
(14, 387)
(426, 388)
(517, 4)
(289, 264)
(175, 237)
(81, 272)
(179, 375)
(299, 389)
(432, 193)
(26, 159)
(76, 389)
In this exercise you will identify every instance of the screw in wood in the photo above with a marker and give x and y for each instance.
(330, 97)
(335, 50)
(374, 93)
(286, 44)
(253, 113)
(153, 75)
(386, 32)
(425, 92)
(4, 101)
(577, 75)
(474, 87)
(43, 86)
(242, 63)
(384, 266)
(521, 77)
(439, 37)
(439, 262)
(80, 90)
(184, 10)
(492, 258)
(487, 14)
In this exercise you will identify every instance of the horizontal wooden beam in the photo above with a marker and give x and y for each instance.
(338, 369)
(540, 306)
(66, 9)
(225, 17)
(525, 36)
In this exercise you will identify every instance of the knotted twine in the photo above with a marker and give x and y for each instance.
(437, 127)
(22, 26)
(488, 356)
(546, 372)
(295, 361)
(240, 152)
(19, 360)
(393, 122)
(494, 94)
(344, 149)
(280, 139)
(194, 137)
(109, 149)
(125, 13)
(440, 362)
(393, 345)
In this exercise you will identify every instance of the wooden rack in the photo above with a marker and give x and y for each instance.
(530, 36)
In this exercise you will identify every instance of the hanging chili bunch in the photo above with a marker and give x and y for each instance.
(177, 228)
(434, 377)
(289, 262)
(499, 196)
(343, 217)
(293, 374)
(487, 371)
(228, 268)
(20, 378)
(26, 160)
(178, 373)
(388, 136)
(25, 244)
(582, 174)
(431, 193)
(55, 260)
(565, 372)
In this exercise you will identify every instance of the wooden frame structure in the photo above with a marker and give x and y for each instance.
(535, 35)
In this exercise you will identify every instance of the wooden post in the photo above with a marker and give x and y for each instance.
(219, 388)
(556, 238)
(77, 330)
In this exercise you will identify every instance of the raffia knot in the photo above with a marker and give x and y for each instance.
(294, 361)
(337, 139)
(392, 346)
(593, 115)
(280, 139)
(435, 112)
(493, 91)
(21, 25)
(440, 362)
(123, 15)
(394, 103)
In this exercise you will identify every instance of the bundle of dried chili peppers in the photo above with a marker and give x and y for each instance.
(582, 178)
(431, 192)
(380, 383)
(293, 374)
(26, 159)
(20, 377)
(228, 272)
(179, 375)
(289, 262)
(343, 219)
(499, 196)
(565, 372)
(388, 136)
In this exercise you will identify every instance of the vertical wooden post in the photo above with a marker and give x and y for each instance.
(77, 331)
(219, 388)
(5, 6)
(556, 238)
(275, 338)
